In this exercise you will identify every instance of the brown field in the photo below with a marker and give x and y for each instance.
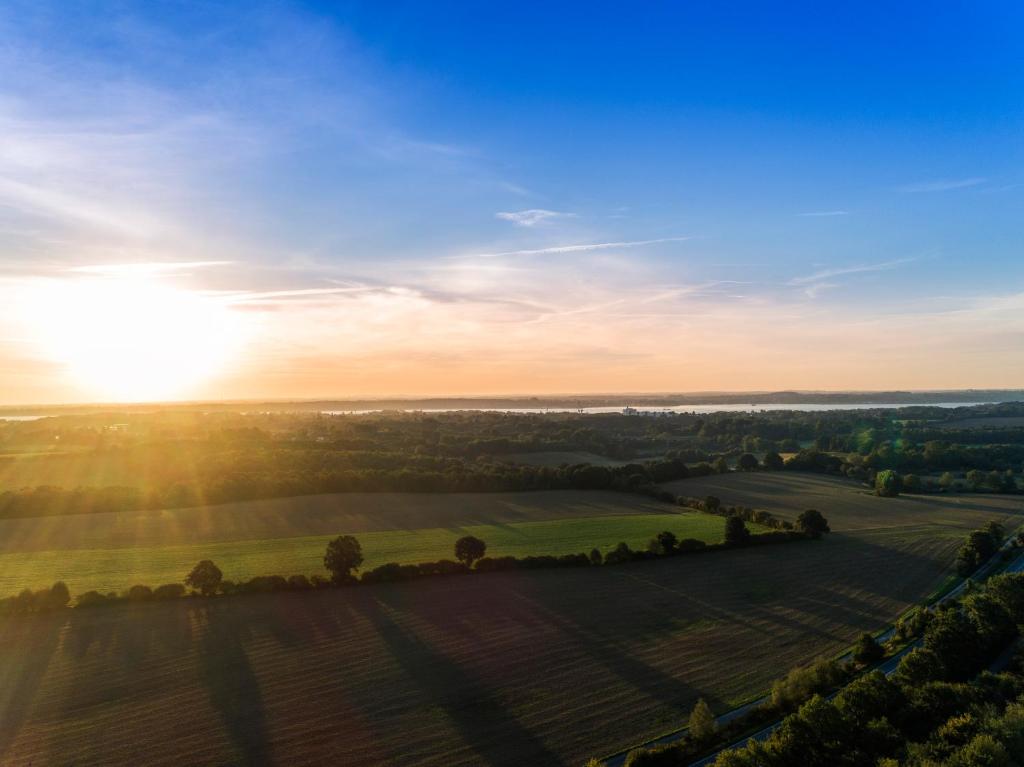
(538, 668)
(849, 505)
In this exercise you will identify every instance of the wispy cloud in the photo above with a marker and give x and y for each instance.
(580, 248)
(812, 291)
(943, 185)
(824, 213)
(156, 267)
(532, 217)
(826, 274)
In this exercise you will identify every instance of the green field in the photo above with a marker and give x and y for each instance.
(115, 569)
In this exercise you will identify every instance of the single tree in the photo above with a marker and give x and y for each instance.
(469, 549)
(702, 722)
(887, 483)
(975, 479)
(736, 531)
(748, 462)
(205, 577)
(812, 524)
(712, 504)
(867, 650)
(666, 541)
(59, 595)
(773, 461)
(947, 480)
(595, 557)
(344, 554)
(721, 466)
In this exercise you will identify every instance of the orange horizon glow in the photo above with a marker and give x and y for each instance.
(146, 335)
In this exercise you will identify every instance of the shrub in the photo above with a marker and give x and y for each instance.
(299, 583)
(169, 591)
(803, 682)
(736, 531)
(139, 593)
(702, 722)
(887, 483)
(91, 599)
(867, 650)
(812, 524)
(621, 553)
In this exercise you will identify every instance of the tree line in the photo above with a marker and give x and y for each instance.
(343, 559)
(940, 707)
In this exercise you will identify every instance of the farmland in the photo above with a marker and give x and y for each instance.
(851, 507)
(115, 569)
(538, 667)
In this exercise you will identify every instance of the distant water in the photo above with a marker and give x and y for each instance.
(699, 409)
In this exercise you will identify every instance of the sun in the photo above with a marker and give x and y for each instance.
(132, 338)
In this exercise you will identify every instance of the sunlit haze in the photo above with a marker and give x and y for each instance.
(291, 200)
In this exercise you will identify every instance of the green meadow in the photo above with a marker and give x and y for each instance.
(116, 569)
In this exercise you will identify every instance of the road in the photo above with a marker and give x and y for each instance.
(887, 667)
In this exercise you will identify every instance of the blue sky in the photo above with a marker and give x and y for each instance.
(631, 198)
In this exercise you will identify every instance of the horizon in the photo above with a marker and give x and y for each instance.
(434, 199)
(683, 398)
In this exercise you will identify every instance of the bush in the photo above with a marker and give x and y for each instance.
(169, 591)
(736, 532)
(803, 682)
(702, 723)
(867, 650)
(812, 524)
(887, 483)
(91, 599)
(621, 553)
(139, 593)
(299, 583)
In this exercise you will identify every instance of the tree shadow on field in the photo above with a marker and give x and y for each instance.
(483, 720)
(230, 682)
(29, 643)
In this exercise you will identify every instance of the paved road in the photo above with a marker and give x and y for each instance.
(886, 667)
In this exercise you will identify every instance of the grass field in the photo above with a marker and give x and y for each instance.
(115, 569)
(534, 667)
(311, 515)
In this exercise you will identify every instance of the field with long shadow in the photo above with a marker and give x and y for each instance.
(286, 536)
(538, 668)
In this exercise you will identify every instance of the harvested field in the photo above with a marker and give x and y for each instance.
(539, 668)
(851, 506)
